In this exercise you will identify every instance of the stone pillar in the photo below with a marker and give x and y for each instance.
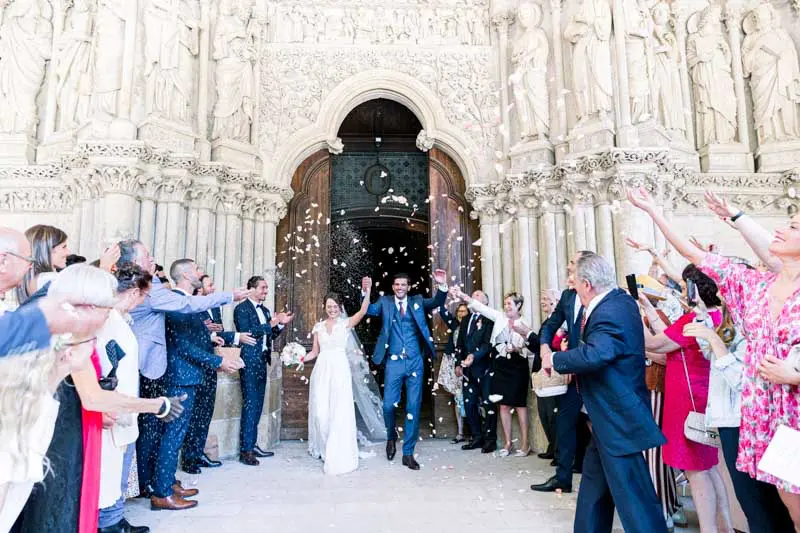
(217, 260)
(527, 264)
(274, 210)
(631, 222)
(203, 144)
(248, 230)
(192, 236)
(548, 255)
(170, 227)
(559, 132)
(507, 257)
(561, 246)
(627, 135)
(501, 20)
(120, 186)
(233, 248)
(87, 222)
(258, 244)
(490, 257)
(733, 20)
(605, 230)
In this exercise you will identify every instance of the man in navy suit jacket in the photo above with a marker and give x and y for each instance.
(251, 316)
(190, 354)
(406, 339)
(609, 366)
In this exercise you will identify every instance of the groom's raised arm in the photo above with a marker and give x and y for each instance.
(438, 300)
(374, 309)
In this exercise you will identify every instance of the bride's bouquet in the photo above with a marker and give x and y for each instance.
(293, 354)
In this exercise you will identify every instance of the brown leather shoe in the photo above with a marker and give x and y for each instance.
(171, 503)
(178, 490)
(248, 458)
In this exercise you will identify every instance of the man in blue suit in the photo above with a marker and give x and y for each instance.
(251, 316)
(406, 339)
(190, 353)
(609, 366)
(194, 455)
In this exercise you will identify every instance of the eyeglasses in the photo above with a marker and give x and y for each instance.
(28, 258)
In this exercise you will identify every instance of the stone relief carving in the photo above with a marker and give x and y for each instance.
(769, 57)
(108, 51)
(589, 31)
(529, 79)
(708, 58)
(666, 76)
(171, 46)
(73, 68)
(25, 44)
(638, 50)
(234, 53)
(428, 24)
(47, 200)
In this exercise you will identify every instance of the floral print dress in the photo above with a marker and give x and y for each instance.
(765, 405)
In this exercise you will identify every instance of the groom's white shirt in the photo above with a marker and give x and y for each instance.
(398, 301)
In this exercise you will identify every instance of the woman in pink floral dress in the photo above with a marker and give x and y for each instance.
(769, 306)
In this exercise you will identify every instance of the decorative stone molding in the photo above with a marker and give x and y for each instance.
(174, 189)
(424, 142)
(36, 199)
(123, 180)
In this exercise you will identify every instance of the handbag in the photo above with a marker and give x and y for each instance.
(655, 376)
(694, 427)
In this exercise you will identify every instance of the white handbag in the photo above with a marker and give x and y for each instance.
(546, 386)
(694, 427)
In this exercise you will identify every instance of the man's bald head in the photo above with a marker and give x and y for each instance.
(14, 251)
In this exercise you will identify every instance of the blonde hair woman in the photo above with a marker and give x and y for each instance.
(68, 500)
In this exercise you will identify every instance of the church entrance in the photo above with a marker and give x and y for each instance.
(380, 207)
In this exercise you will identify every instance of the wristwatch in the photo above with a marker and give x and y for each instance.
(737, 216)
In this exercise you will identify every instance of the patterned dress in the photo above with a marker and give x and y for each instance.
(765, 405)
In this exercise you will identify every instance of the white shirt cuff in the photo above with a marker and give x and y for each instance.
(443, 287)
(235, 338)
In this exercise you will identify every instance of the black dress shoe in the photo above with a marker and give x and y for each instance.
(473, 445)
(123, 527)
(391, 449)
(191, 468)
(551, 485)
(410, 462)
(146, 492)
(248, 458)
(207, 462)
(546, 455)
(136, 529)
(553, 463)
(489, 448)
(261, 453)
(577, 470)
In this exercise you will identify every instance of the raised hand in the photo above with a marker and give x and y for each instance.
(698, 244)
(110, 257)
(520, 327)
(241, 293)
(246, 338)
(719, 205)
(639, 247)
(366, 284)
(642, 199)
(440, 276)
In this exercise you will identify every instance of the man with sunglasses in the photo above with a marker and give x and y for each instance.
(30, 327)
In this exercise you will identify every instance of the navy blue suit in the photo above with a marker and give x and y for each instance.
(24, 330)
(253, 377)
(572, 436)
(195, 442)
(407, 340)
(190, 355)
(609, 366)
(474, 337)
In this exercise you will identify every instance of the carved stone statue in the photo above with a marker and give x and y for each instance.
(234, 53)
(666, 76)
(529, 79)
(108, 51)
(25, 44)
(708, 57)
(589, 31)
(171, 48)
(770, 59)
(73, 66)
(638, 33)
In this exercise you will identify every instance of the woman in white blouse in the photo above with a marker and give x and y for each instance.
(511, 373)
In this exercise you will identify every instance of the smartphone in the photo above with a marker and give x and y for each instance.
(633, 288)
(691, 290)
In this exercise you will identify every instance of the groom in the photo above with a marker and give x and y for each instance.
(406, 340)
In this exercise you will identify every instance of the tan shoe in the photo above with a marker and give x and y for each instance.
(171, 503)
(178, 490)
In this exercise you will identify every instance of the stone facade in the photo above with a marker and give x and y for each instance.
(181, 122)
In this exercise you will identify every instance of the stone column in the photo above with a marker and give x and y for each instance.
(203, 198)
(627, 135)
(192, 236)
(605, 230)
(233, 199)
(217, 260)
(147, 214)
(561, 245)
(733, 20)
(490, 257)
(170, 228)
(629, 221)
(527, 263)
(204, 67)
(120, 186)
(274, 210)
(248, 231)
(507, 256)
(560, 133)
(548, 255)
(501, 20)
(258, 243)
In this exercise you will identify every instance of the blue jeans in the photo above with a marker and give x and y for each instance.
(116, 512)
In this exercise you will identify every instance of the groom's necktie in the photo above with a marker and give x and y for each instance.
(402, 309)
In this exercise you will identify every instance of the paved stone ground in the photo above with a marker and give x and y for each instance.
(454, 492)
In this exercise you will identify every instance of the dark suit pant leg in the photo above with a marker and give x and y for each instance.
(760, 501)
(172, 440)
(393, 378)
(490, 409)
(150, 430)
(617, 481)
(471, 389)
(415, 375)
(546, 407)
(566, 425)
(254, 384)
(195, 442)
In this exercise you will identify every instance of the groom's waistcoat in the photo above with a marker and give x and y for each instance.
(404, 337)
(414, 322)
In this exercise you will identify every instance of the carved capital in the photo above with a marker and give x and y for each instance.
(273, 209)
(174, 189)
(335, 146)
(204, 195)
(121, 180)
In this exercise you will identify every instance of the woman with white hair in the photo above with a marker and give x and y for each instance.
(68, 499)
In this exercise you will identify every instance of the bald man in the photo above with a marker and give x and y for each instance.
(30, 327)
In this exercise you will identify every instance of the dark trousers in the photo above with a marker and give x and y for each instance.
(172, 440)
(150, 429)
(195, 442)
(572, 434)
(253, 380)
(476, 392)
(617, 481)
(408, 372)
(547, 408)
(760, 501)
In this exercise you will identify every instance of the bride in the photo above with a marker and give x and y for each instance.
(341, 383)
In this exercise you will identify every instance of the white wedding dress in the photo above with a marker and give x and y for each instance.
(332, 434)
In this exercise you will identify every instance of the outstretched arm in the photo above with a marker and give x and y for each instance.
(164, 300)
(314, 350)
(356, 318)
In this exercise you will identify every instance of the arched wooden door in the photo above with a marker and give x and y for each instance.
(303, 246)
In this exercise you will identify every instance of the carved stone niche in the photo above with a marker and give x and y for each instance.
(236, 154)
(730, 157)
(531, 154)
(17, 149)
(778, 156)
